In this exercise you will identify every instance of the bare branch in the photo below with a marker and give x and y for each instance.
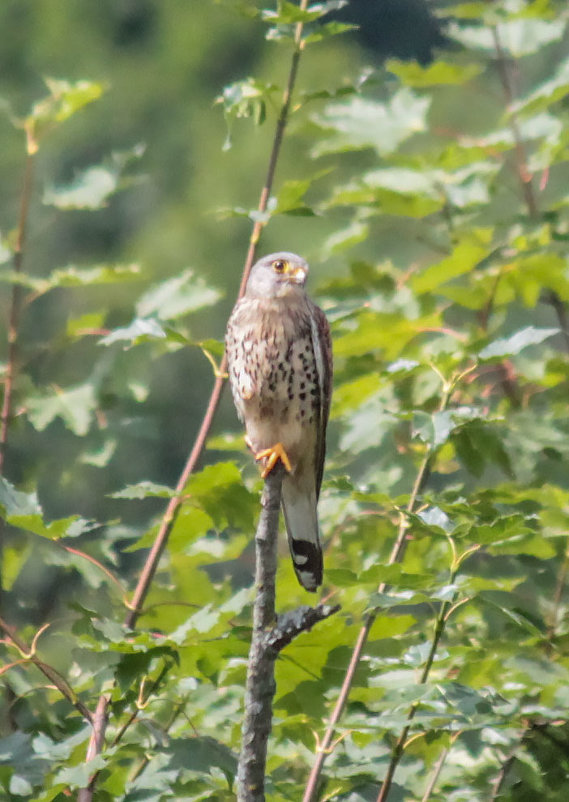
(15, 308)
(96, 744)
(270, 635)
(260, 687)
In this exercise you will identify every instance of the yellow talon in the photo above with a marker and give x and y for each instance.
(272, 455)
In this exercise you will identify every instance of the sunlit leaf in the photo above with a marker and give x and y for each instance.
(176, 297)
(509, 346)
(360, 123)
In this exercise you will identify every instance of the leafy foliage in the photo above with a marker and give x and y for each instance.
(438, 196)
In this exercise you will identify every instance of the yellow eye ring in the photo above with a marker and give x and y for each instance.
(279, 265)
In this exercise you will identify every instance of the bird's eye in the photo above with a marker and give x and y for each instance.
(279, 265)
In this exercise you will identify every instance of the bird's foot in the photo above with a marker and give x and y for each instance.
(271, 457)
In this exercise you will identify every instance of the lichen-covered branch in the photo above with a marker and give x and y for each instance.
(260, 687)
(270, 635)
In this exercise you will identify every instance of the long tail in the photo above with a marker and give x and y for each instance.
(299, 508)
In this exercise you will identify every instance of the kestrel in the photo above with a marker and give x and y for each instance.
(280, 370)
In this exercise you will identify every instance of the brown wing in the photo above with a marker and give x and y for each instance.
(322, 348)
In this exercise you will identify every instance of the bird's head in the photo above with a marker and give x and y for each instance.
(277, 275)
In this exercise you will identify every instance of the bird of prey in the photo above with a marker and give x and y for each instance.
(280, 369)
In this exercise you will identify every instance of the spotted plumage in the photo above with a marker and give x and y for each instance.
(280, 370)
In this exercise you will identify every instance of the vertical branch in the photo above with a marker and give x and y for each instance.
(399, 747)
(397, 553)
(95, 744)
(524, 176)
(260, 687)
(15, 307)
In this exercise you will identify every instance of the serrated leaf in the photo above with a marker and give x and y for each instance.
(518, 37)
(355, 233)
(439, 73)
(140, 330)
(509, 346)
(64, 100)
(101, 274)
(90, 190)
(94, 186)
(289, 13)
(79, 776)
(15, 502)
(176, 297)
(361, 123)
(144, 489)
(546, 94)
(75, 406)
(329, 29)
(473, 247)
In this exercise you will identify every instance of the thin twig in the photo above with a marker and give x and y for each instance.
(503, 773)
(397, 553)
(524, 176)
(14, 322)
(557, 596)
(402, 740)
(174, 505)
(165, 729)
(15, 307)
(436, 774)
(95, 744)
(29, 656)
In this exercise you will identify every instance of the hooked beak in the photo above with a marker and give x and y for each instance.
(298, 275)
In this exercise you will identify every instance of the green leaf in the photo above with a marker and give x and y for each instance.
(289, 13)
(92, 188)
(345, 238)
(15, 502)
(144, 489)
(75, 406)
(101, 274)
(361, 123)
(247, 98)
(64, 100)
(439, 73)
(79, 776)
(329, 29)
(518, 37)
(472, 248)
(509, 346)
(546, 94)
(139, 331)
(177, 296)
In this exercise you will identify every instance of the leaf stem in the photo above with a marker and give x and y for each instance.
(29, 656)
(402, 740)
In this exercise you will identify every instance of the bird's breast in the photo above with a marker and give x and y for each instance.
(273, 373)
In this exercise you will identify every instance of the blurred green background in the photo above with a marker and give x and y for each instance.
(164, 64)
